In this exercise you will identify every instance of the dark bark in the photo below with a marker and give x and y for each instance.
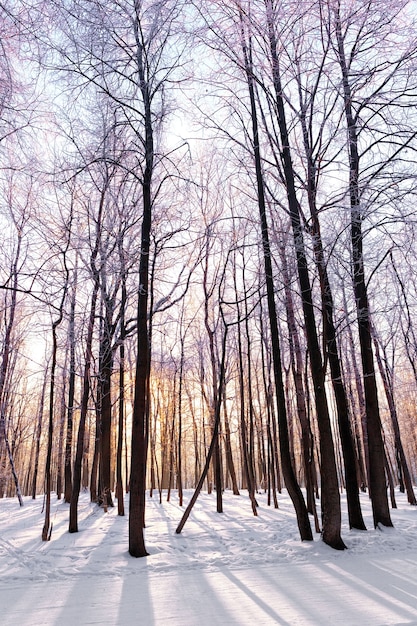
(213, 403)
(330, 498)
(377, 480)
(250, 383)
(329, 331)
(79, 453)
(287, 469)
(94, 476)
(121, 420)
(47, 527)
(172, 446)
(358, 399)
(296, 360)
(179, 433)
(105, 415)
(140, 417)
(248, 472)
(71, 396)
(388, 470)
(228, 450)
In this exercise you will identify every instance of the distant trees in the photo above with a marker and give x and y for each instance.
(9, 318)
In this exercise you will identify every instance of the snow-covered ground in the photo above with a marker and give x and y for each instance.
(232, 568)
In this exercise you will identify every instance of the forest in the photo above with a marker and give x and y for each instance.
(208, 271)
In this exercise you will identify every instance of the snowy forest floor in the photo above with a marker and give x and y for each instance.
(231, 568)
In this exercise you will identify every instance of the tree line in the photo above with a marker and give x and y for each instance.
(208, 236)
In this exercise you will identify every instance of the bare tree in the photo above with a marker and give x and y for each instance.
(288, 471)
(364, 23)
(47, 527)
(12, 284)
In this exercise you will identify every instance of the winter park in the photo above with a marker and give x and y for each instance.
(232, 568)
(208, 312)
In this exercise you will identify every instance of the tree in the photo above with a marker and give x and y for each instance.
(288, 472)
(375, 442)
(331, 515)
(315, 147)
(71, 392)
(47, 527)
(12, 283)
(77, 470)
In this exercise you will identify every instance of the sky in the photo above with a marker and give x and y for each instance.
(231, 568)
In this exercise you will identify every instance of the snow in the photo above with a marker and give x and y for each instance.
(230, 568)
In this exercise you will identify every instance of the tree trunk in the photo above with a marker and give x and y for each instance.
(121, 421)
(214, 401)
(377, 481)
(140, 417)
(228, 449)
(329, 331)
(179, 434)
(47, 527)
(330, 499)
(360, 400)
(71, 396)
(248, 471)
(287, 469)
(78, 462)
(105, 406)
(94, 475)
(296, 360)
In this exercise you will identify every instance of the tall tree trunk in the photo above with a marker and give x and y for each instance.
(81, 459)
(105, 406)
(47, 527)
(287, 469)
(94, 475)
(214, 401)
(330, 499)
(329, 331)
(140, 417)
(377, 480)
(228, 449)
(249, 383)
(296, 360)
(121, 420)
(360, 395)
(272, 452)
(179, 433)
(248, 471)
